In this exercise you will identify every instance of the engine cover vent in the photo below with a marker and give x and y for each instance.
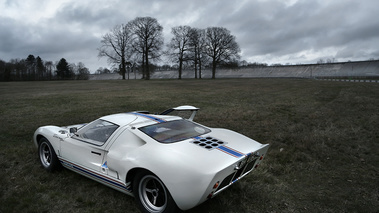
(208, 143)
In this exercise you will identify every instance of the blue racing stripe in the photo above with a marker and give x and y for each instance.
(98, 176)
(149, 117)
(230, 151)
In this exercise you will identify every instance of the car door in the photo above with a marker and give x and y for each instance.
(86, 147)
(82, 154)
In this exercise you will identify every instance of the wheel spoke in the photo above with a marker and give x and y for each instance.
(45, 154)
(153, 194)
(155, 200)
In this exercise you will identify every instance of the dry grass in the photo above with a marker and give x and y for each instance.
(324, 138)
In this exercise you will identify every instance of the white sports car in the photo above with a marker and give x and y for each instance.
(168, 163)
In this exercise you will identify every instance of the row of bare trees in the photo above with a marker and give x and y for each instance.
(34, 68)
(214, 45)
(134, 44)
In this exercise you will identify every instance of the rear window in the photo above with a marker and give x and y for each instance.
(174, 131)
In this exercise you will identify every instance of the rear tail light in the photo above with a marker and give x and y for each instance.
(216, 185)
(210, 195)
(261, 158)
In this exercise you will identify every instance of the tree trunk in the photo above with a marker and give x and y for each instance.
(180, 68)
(128, 72)
(213, 69)
(195, 70)
(196, 64)
(147, 67)
(143, 65)
(199, 68)
(123, 71)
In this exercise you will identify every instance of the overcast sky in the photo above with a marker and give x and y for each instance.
(268, 31)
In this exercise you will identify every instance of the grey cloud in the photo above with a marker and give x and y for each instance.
(87, 16)
(273, 28)
(266, 29)
(8, 35)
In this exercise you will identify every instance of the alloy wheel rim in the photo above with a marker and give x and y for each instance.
(152, 194)
(45, 154)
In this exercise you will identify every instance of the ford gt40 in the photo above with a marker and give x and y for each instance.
(167, 162)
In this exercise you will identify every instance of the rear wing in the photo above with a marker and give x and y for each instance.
(182, 109)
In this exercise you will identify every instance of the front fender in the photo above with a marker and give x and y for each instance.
(54, 134)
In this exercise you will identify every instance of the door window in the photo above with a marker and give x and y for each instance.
(97, 132)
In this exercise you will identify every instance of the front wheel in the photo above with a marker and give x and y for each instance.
(47, 156)
(152, 195)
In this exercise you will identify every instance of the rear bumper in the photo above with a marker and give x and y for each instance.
(240, 169)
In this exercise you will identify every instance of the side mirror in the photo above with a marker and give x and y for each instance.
(73, 130)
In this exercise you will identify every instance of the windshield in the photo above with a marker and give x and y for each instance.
(174, 131)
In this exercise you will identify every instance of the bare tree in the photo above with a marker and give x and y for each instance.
(148, 40)
(139, 57)
(82, 72)
(20, 68)
(221, 47)
(180, 45)
(116, 46)
(5, 72)
(49, 68)
(197, 43)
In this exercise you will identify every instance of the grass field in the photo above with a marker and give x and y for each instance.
(324, 138)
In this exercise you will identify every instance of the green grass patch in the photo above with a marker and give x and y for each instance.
(324, 141)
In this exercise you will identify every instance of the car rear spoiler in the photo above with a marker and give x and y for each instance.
(182, 108)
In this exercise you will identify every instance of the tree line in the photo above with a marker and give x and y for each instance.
(35, 69)
(134, 44)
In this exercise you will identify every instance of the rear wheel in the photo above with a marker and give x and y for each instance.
(152, 195)
(47, 156)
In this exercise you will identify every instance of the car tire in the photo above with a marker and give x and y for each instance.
(47, 156)
(151, 194)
